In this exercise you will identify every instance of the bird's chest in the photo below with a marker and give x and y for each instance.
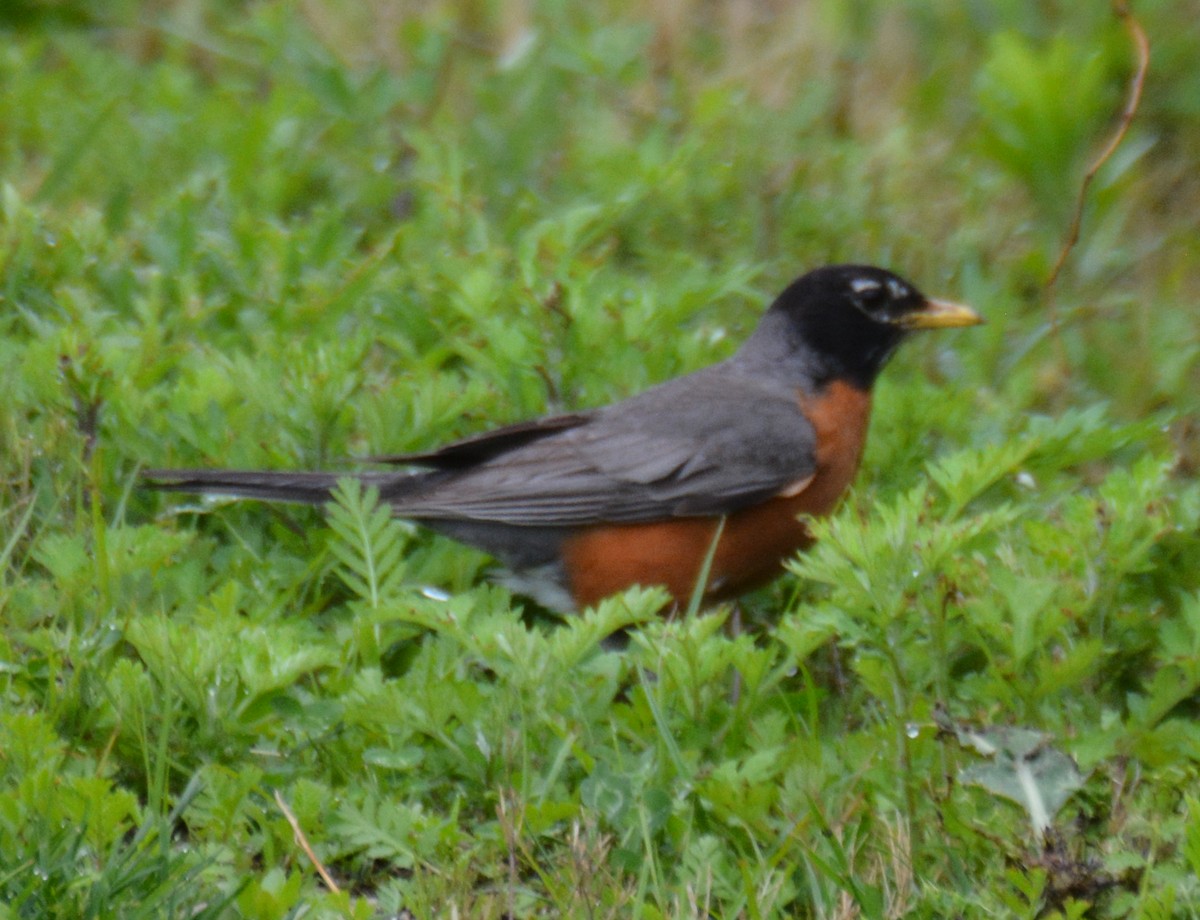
(758, 540)
(839, 414)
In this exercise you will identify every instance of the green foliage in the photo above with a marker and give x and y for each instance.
(1024, 768)
(1041, 108)
(369, 544)
(288, 235)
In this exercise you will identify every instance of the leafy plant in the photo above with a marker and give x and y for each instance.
(1042, 107)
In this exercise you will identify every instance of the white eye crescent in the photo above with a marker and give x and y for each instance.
(862, 285)
(897, 290)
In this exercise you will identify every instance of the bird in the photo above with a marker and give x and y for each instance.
(581, 506)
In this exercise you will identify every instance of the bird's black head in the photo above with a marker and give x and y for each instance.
(846, 320)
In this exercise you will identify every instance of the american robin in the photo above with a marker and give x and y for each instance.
(581, 506)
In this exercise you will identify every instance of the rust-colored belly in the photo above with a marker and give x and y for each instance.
(756, 541)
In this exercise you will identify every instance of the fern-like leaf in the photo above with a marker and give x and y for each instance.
(369, 542)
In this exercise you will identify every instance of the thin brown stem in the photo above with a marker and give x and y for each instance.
(1133, 100)
(302, 841)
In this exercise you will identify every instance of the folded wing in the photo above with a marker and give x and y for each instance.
(705, 444)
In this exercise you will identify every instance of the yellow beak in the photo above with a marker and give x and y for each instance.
(939, 314)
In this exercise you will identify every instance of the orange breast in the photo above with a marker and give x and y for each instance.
(756, 541)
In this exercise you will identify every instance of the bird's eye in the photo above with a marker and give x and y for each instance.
(869, 294)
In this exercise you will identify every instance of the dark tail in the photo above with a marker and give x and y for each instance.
(305, 488)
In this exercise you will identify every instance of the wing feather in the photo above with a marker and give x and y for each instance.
(709, 443)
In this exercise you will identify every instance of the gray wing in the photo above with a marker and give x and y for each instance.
(710, 443)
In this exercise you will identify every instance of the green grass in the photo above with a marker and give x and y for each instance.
(287, 234)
